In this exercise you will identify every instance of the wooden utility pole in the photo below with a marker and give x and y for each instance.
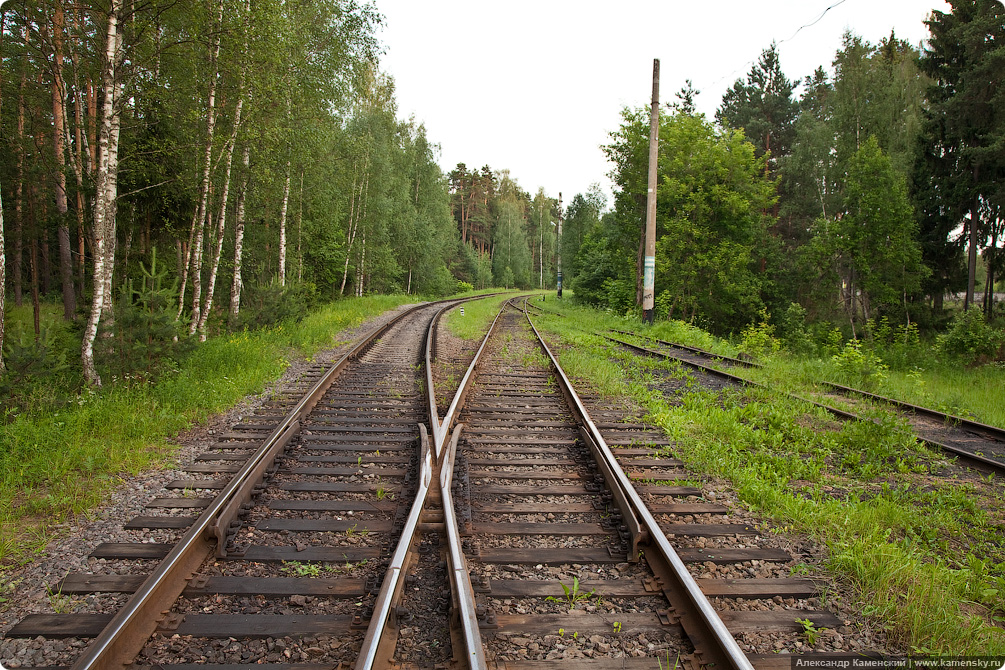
(649, 261)
(558, 244)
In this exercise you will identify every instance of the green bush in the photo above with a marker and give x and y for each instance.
(899, 346)
(619, 295)
(793, 330)
(970, 339)
(37, 373)
(268, 304)
(464, 287)
(758, 339)
(859, 367)
(149, 339)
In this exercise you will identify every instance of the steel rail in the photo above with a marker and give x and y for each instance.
(390, 592)
(462, 390)
(725, 652)
(434, 414)
(463, 595)
(460, 578)
(130, 628)
(390, 589)
(982, 429)
(695, 350)
(733, 378)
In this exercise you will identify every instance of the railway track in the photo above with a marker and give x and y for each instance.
(318, 485)
(355, 527)
(974, 444)
(568, 519)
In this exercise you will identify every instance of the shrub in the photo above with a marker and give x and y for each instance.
(37, 371)
(759, 339)
(267, 304)
(899, 346)
(970, 340)
(149, 338)
(619, 295)
(859, 367)
(794, 333)
(464, 287)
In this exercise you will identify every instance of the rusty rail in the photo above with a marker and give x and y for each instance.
(127, 632)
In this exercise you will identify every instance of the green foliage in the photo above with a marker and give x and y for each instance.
(37, 372)
(582, 216)
(896, 543)
(511, 261)
(759, 339)
(899, 346)
(793, 331)
(959, 163)
(58, 459)
(762, 106)
(712, 196)
(271, 303)
(573, 594)
(970, 339)
(464, 287)
(149, 339)
(880, 232)
(859, 366)
(810, 631)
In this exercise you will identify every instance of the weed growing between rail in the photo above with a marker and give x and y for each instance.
(478, 316)
(56, 463)
(922, 554)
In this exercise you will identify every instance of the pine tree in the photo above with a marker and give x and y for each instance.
(961, 165)
(762, 105)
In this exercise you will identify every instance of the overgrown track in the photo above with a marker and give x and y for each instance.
(561, 574)
(975, 444)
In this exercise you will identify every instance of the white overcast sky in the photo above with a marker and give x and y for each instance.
(535, 86)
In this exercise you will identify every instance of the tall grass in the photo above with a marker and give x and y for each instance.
(58, 463)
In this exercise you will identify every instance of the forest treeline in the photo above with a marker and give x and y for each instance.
(177, 169)
(845, 199)
(181, 168)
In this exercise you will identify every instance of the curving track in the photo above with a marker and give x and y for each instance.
(510, 532)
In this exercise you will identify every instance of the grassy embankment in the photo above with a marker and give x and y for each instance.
(56, 463)
(921, 553)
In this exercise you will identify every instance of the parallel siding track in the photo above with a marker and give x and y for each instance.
(975, 444)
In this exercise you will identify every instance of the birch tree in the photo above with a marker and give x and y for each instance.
(105, 186)
(224, 197)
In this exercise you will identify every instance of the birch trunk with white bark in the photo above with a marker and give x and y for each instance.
(200, 225)
(282, 227)
(236, 285)
(103, 184)
(221, 221)
(355, 207)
